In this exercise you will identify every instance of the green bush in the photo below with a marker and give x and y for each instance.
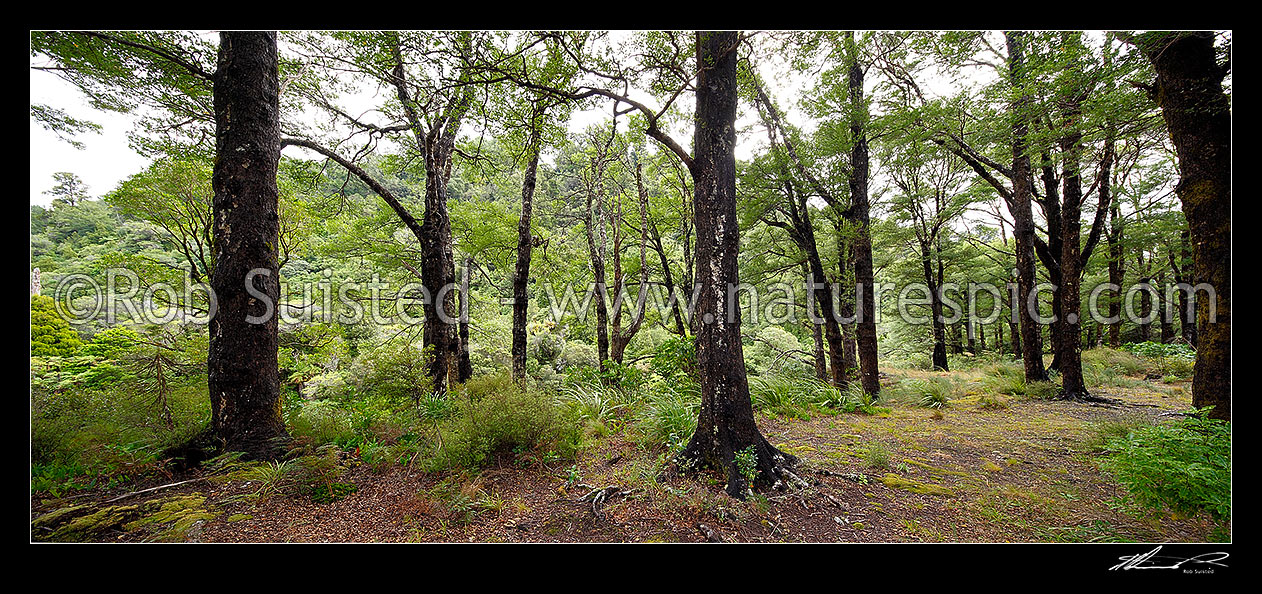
(675, 357)
(322, 422)
(398, 372)
(51, 336)
(1183, 466)
(1114, 360)
(497, 416)
(796, 396)
(1155, 350)
(930, 393)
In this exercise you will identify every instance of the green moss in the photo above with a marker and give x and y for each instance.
(57, 517)
(894, 481)
(168, 519)
(238, 518)
(989, 466)
(933, 469)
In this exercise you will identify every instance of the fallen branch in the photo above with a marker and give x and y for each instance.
(151, 489)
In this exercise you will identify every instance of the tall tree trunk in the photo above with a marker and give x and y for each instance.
(1069, 344)
(1198, 116)
(1165, 311)
(817, 333)
(803, 233)
(464, 366)
(1051, 256)
(242, 367)
(1145, 309)
(846, 305)
(1183, 268)
(1117, 263)
(725, 424)
(525, 242)
(1022, 215)
(869, 372)
(935, 305)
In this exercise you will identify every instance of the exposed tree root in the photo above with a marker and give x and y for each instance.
(600, 497)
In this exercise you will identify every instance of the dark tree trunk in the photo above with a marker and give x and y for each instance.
(1165, 311)
(725, 424)
(1015, 339)
(242, 368)
(817, 333)
(869, 373)
(438, 273)
(1145, 309)
(595, 248)
(935, 305)
(804, 235)
(676, 307)
(845, 299)
(1022, 215)
(802, 231)
(1069, 344)
(1116, 270)
(1051, 254)
(464, 366)
(1183, 267)
(525, 242)
(1198, 116)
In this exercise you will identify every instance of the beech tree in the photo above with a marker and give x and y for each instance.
(242, 361)
(1197, 112)
(232, 93)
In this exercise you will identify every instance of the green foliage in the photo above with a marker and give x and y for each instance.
(331, 492)
(498, 416)
(795, 396)
(1156, 350)
(930, 393)
(668, 417)
(269, 478)
(1183, 466)
(51, 335)
(677, 356)
(112, 343)
(1010, 379)
(747, 464)
(399, 372)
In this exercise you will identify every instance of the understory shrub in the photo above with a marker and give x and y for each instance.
(1183, 466)
(495, 415)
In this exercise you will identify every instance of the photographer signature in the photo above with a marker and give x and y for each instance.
(1150, 560)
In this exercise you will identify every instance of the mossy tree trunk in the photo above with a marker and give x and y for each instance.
(1197, 114)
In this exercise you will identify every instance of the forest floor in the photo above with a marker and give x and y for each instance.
(1022, 471)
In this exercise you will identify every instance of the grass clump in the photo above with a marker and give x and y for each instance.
(668, 416)
(877, 456)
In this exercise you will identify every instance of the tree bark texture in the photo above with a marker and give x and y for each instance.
(242, 368)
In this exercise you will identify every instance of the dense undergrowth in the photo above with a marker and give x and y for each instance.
(113, 411)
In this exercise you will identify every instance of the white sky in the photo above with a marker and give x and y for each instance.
(106, 158)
